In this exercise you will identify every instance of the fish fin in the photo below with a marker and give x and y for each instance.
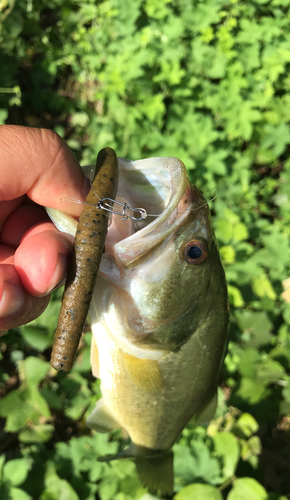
(95, 363)
(89, 171)
(101, 419)
(207, 412)
(145, 373)
(156, 472)
(62, 221)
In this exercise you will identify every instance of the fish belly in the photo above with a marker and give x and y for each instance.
(153, 400)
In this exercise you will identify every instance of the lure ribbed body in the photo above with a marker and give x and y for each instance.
(84, 264)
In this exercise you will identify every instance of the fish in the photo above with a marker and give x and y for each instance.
(159, 316)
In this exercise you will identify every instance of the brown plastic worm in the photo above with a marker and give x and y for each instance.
(84, 264)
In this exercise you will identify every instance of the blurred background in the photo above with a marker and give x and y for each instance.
(208, 82)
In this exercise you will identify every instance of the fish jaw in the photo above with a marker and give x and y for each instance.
(128, 251)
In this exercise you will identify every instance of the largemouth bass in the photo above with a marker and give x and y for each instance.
(159, 315)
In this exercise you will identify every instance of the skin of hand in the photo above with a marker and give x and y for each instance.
(37, 169)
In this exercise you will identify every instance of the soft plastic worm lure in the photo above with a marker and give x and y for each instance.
(85, 261)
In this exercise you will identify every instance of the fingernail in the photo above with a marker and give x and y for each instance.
(86, 187)
(60, 270)
(61, 283)
(11, 301)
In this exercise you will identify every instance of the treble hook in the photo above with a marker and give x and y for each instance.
(125, 215)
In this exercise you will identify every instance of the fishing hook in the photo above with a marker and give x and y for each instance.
(125, 215)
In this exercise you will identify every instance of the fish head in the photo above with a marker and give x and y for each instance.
(162, 274)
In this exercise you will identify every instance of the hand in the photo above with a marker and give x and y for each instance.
(37, 169)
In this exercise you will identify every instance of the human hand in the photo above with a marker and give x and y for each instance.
(37, 169)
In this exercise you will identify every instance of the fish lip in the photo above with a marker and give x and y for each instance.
(164, 181)
(128, 252)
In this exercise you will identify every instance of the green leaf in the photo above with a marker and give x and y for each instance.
(85, 450)
(249, 357)
(263, 288)
(80, 119)
(147, 496)
(18, 494)
(3, 116)
(247, 424)
(56, 488)
(34, 370)
(124, 468)
(226, 446)
(247, 488)
(276, 137)
(78, 393)
(16, 471)
(83, 361)
(198, 492)
(130, 485)
(214, 162)
(235, 296)
(252, 391)
(96, 469)
(255, 445)
(36, 337)
(195, 463)
(52, 399)
(48, 319)
(265, 156)
(13, 402)
(251, 449)
(270, 371)
(108, 489)
(14, 23)
(39, 404)
(36, 433)
(257, 324)
(228, 254)
(240, 232)
(224, 230)
(276, 252)
(15, 406)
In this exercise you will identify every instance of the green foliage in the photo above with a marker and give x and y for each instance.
(208, 82)
(200, 491)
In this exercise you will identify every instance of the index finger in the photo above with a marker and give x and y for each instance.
(38, 162)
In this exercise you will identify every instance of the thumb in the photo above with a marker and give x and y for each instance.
(38, 162)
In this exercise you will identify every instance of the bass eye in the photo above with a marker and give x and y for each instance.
(195, 252)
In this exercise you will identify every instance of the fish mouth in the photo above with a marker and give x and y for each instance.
(160, 187)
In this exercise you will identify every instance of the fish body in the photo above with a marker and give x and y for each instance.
(159, 316)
